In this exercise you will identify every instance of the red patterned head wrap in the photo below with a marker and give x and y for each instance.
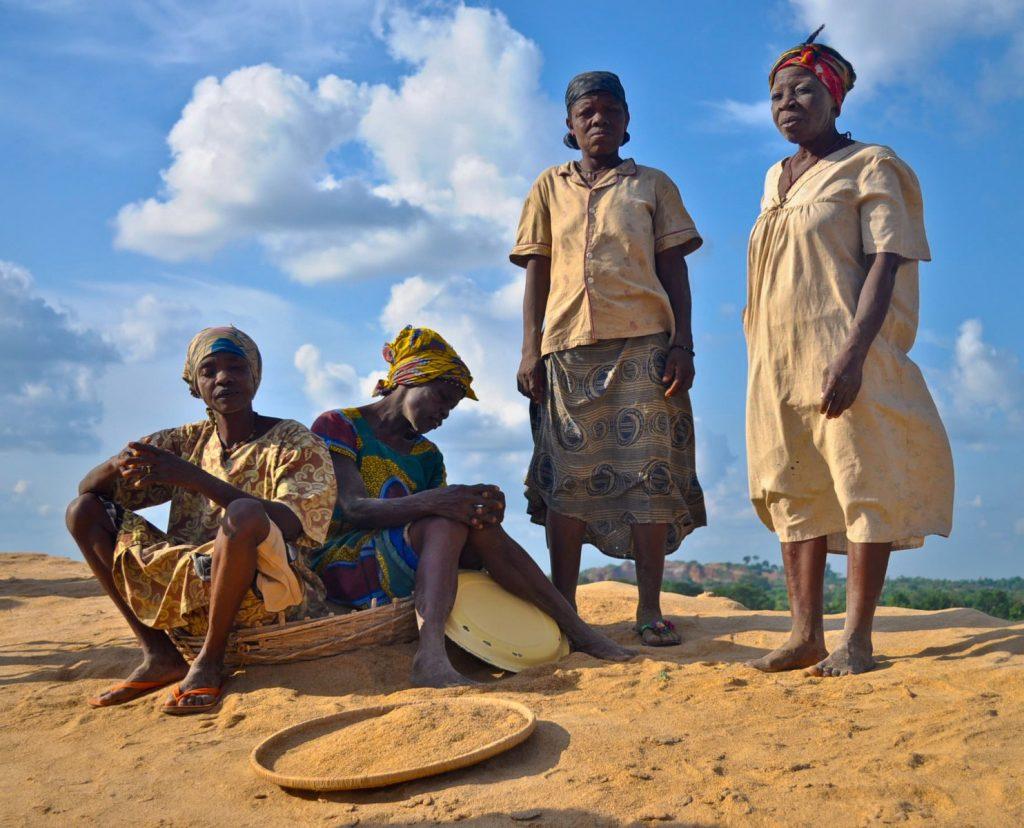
(824, 62)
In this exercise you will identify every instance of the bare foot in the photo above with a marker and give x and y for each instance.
(436, 671)
(654, 629)
(602, 647)
(164, 667)
(204, 672)
(793, 655)
(851, 657)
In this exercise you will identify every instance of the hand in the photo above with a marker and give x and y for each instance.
(531, 379)
(477, 506)
(141, 464)
(679, 371)
(841, 384)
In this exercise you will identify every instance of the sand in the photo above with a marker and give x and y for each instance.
(409, 736)
(681, 736)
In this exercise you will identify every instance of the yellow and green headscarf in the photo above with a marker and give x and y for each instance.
(221, 340)
(418, 356)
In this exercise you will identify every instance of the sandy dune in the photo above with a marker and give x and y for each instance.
(686, 736)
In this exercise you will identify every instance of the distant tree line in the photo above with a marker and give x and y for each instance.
(1001, 598)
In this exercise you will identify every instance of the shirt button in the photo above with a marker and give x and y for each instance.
(590, 280)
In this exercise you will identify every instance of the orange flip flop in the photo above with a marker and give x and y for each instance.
(176, 708)
(141, 688)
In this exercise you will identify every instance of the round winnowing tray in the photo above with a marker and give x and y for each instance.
(270, 750)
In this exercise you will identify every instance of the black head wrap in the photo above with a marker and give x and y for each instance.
(588, 83)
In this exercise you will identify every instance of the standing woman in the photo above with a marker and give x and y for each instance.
(846, 451)
(608, 354)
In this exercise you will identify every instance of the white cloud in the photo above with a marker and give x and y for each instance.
(1003, 78)
(169, 32)
(48, 370)
(332, 384)
(20, 487)
(891, 40)
(150, 323)
(985, 380)
(898, 41)
(756, 114)
(459, 135)
(255, 157)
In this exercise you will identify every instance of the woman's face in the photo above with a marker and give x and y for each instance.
(427, 406)
(225, 383)
(599, 123)
(802, 107)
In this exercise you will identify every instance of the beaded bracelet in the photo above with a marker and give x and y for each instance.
(684, 348)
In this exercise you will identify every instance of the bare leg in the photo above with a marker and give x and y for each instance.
(565, 545)
(512, 568)
(805, 583)
(244, 527)
(865, 575)
(438, 543)
(649, 553)
(90, 526)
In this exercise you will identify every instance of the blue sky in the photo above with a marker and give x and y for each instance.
(321, 173)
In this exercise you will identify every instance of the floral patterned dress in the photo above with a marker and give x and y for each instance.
(160, 574)
(360, 567)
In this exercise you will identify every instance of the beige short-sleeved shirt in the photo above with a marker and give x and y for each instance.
(602, 241)
(883, 470)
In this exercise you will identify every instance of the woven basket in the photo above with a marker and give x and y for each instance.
(265, 754)
(393, 623)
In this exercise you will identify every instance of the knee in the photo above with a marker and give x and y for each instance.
(84, 512)
(437, 525)
(245, 520)
(452, 533)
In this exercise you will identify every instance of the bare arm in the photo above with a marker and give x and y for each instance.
(476, 506)
(674, 275)
(535, 299)
(143, 464)
(100, 480)
(843, 376)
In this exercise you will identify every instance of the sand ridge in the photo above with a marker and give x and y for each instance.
(681, 736)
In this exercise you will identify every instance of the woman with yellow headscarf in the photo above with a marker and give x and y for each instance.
(399, 529)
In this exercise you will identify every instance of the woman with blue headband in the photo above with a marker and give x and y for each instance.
(246, 492)
(608, 354)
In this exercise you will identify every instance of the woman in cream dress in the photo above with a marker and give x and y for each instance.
(846, 451)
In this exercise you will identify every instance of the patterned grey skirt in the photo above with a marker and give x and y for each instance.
(610, 450)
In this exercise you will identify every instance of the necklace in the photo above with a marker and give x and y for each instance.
(787, 165)
(227, 449)
(591, 176)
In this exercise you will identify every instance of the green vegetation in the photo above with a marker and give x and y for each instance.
(762, 586)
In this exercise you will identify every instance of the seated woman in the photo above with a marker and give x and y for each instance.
(241, 486)
(399, 529)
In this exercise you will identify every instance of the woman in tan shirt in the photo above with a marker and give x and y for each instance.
(846, 451)
(608, 354)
